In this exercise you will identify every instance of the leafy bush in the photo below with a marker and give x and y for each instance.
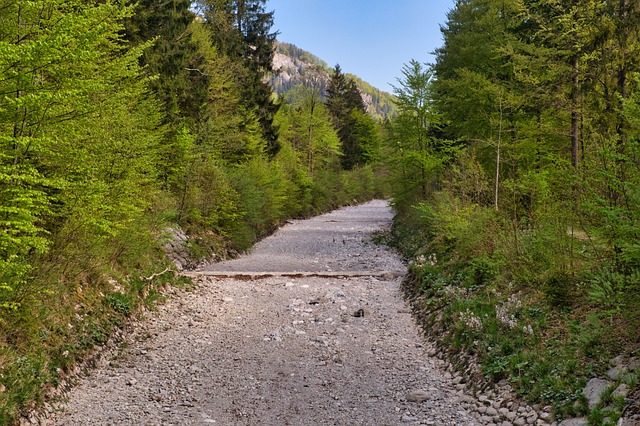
(559, 289)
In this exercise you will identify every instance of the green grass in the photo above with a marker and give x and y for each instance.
(545, 335)
(43, 341)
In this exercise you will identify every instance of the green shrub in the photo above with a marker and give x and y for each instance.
(121, 303)
(559, 288)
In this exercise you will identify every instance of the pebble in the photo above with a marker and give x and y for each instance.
(418, 396)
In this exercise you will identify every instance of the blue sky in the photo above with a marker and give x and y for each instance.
(369, 38)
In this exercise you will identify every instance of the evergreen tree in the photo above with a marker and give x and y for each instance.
(173, 58)
(343, 96)
(347, 109)
(417, 155)
(241, 29)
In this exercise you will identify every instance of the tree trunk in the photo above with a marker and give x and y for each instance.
(498, 158)
(622, 75)
(575, 117)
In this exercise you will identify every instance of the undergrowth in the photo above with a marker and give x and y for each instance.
(545, 329)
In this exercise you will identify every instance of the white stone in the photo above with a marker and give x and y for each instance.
(492, 411)
(418, 396)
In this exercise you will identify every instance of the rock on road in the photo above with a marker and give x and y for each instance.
(335, 346)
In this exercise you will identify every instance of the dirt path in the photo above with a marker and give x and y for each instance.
(337, 347)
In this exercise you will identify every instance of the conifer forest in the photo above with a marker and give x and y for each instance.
(512, 163)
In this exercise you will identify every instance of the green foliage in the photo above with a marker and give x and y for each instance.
(298, 182)
(613, 291)
(121, 303)
(355, 128)
(558, 288)
(360, 184)
(364, 145)
(118, 121)
(417, 156)
(208, 199)
(260, 187)
(304, 123)
(172, 59)
(241, 31)
(525, 228)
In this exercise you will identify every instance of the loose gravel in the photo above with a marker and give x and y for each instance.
(337, 347)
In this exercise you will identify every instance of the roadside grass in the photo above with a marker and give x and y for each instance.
(545, 332)
(50, 334)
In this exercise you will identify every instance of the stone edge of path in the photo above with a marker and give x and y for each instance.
(255, 275)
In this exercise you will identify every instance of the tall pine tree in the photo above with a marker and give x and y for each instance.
(173, 58)
(241, 29)
(347, 110)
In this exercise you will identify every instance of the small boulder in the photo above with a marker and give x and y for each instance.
(622, 390)
(615, 372)
(594, 390)
(418, 396)
(617, 360)
(634, 365)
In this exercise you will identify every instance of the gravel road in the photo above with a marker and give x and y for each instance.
(319, 335)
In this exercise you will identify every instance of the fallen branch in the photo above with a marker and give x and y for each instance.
(157, 275)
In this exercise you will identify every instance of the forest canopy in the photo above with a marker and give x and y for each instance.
(517, 186)
(122, 124)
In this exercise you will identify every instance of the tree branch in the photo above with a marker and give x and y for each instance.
(195, 69)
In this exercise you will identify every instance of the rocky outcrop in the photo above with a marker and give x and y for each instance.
(293, 66)
(176, 247)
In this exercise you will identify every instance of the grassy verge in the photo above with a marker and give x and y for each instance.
(46, 338)
(546, 331)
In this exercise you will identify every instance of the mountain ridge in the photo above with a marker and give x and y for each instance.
(293, 66)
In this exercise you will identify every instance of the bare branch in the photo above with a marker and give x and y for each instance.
(195, 69)
(156, 275)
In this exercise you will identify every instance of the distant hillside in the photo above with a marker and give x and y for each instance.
(295, 66)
